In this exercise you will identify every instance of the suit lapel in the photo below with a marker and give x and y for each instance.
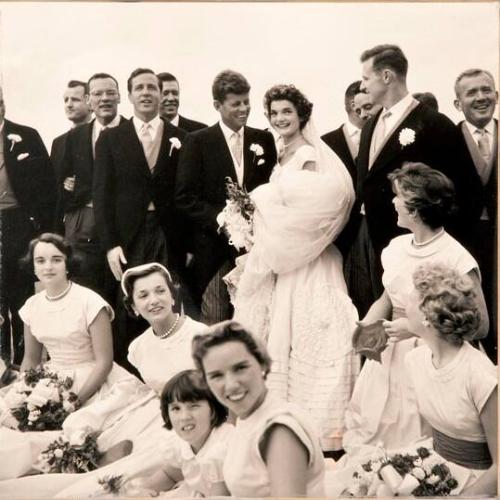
(133, 148)
(391, 145)
(478, 160)
(248, 157)
(364, 150)
(223, 154)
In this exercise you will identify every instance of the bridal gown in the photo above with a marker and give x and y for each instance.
(292, 294)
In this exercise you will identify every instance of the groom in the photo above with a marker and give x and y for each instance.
(208, 157)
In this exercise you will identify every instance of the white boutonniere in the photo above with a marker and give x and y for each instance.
(22, 156)
(174, 144)
(407, 137)
(257, 151)
(14, 138)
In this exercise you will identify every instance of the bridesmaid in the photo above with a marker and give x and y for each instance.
(274, 450)
(456, 384)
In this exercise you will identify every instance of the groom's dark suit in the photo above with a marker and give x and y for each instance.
(26, 168)
(337, 142)
(204, 164)
(437, 144)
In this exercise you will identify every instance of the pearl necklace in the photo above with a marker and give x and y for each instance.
(51, 298)
(171, 329)
(430, 240)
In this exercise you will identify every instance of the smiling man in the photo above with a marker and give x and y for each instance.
(75, 181)
(133, 188)
(477, 99)
(210, 155)
(77, 111)
(169, 105)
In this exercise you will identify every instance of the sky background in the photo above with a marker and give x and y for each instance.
(316, 46)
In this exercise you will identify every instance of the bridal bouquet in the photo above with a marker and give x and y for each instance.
(422, 474)
(237, 216)
(39, 401)
(76, 454)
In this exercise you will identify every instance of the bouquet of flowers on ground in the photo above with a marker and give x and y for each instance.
(39, 401)
(237, 216)
(119, 486)
(76, 454)
(422, 474)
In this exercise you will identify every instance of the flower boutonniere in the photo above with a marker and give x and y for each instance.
(14, 138)
(258, 151)
(407, 137)
(22, 156)
(174, 144)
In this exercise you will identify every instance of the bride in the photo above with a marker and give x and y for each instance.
(291, 291)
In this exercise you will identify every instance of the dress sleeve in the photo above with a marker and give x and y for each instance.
(171, 453)
(25, 311)
(482, 380)
(305, 154)
(93, 306)
(304, 435)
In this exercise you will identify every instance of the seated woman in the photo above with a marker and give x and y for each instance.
(149, 292)
(455, 384)
(383, 406)
(192, 461)
(73, 323)
(273, 451)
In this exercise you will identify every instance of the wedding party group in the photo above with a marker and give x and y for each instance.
(197, 311)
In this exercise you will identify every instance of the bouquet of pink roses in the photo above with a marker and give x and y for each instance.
(236, 218)
(38, 401)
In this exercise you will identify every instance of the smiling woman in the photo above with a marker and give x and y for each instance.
(288, 459)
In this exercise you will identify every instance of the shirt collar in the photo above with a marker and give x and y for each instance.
(490, 127)
(352, 129)
(175, 120)
(228, 132)
(400, 107)
(2, 126)
(98, 126)
(155, 123)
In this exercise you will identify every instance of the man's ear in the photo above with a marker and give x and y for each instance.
(457, 104)
(387, 75)
(217, 105)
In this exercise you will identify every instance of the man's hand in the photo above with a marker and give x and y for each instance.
(69, 183)
(116, 258)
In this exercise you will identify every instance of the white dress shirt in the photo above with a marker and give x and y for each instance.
(354, 133)
(98, 126)
(397, 111)
(175, 120)
(240, 169)
(154, 124)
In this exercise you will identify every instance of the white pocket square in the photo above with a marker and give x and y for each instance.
(260, 162)
(22, 156)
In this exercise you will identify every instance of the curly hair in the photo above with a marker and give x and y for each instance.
(427, 191)
(295, 96)
(228, 331)
(448, 301)
(229, 82)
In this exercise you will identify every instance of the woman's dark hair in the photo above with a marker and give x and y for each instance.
(448, 302)
(190, 386)
(427, 191)
(142, 271)
(228, 331)
(61, 243)
(295, 96)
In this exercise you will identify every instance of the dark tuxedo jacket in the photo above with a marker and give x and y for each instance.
(204, 165)
(123, 185)
(490, 189)
(57, 151)
(32, 178)
(335, 140)
(190, 125)
(438, 144)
